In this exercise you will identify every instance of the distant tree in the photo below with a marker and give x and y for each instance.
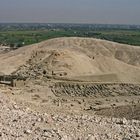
(18, 45)
(12, 45)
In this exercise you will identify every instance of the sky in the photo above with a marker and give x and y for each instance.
(71, 11)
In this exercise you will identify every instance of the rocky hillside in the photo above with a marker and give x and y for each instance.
(15, 117)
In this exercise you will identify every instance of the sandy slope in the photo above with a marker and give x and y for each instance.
(76, 57)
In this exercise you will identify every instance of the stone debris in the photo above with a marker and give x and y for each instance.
(91, 137)
(18, 123)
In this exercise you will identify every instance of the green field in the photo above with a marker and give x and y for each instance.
(26, 37)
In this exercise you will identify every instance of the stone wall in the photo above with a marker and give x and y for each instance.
(18, 83)
(12, 80)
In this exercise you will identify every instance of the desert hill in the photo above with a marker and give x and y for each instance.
(75, 57)
(70, 82)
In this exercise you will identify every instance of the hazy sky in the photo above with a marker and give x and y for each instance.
(71, 11)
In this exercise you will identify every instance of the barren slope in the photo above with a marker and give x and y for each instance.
(75, 57)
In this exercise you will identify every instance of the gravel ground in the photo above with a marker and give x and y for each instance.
(20, 123)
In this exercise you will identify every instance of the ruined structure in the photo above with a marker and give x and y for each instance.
(12, 80)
